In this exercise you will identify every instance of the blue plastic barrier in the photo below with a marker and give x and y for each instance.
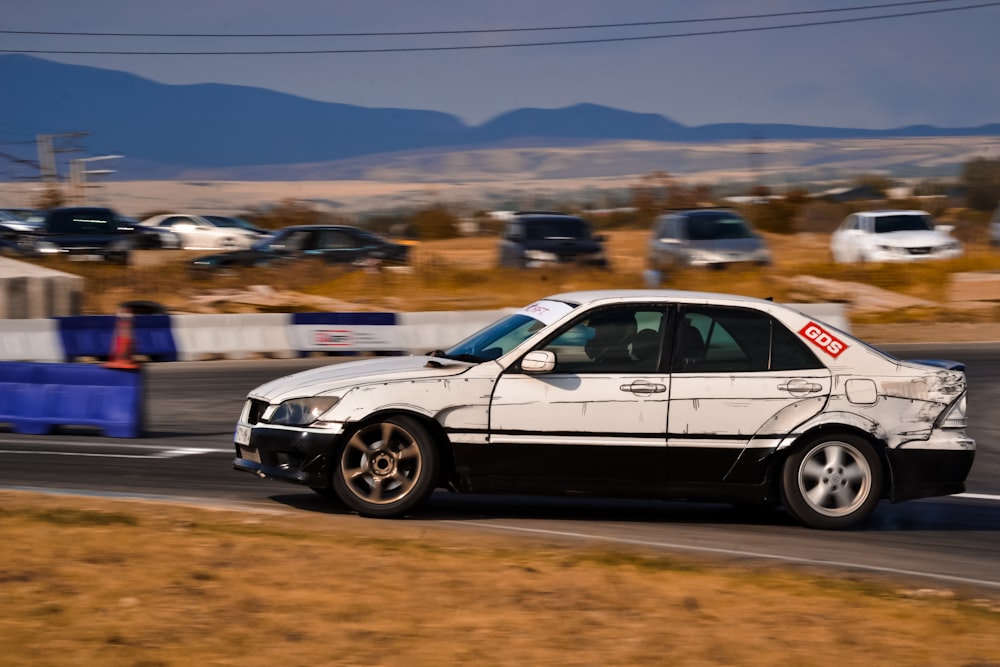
(154, 337)
(93, 336)
(86, 335)
(36, 398)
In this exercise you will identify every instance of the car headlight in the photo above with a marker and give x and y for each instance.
(47, 248)
(541, 256)
(302, 411)
(892, 250)
(704, 256)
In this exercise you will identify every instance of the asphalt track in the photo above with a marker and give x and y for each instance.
(949, 542)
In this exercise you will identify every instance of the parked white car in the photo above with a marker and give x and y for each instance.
(638, 393)
(201, 233)
(892, 236)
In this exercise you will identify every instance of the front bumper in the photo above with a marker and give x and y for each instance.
(291, 455)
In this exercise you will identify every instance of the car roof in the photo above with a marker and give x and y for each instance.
(890, 211)
(588, 297)
(528, 215)
(696, 211)
(82, 209)
(280, 229)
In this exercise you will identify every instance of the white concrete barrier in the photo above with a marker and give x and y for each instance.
(423, 332)
(233, 336)
(30, 340)
(346, 338)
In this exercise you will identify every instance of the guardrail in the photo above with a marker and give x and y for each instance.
(277, 335)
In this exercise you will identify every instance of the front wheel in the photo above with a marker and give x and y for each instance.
(833, 482)
(386, 468)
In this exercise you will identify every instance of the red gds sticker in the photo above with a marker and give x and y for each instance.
(823, 339)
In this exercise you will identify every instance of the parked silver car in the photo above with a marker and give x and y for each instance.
(713, 238)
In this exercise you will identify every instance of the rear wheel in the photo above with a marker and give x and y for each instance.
(386, 468)
(833, 482)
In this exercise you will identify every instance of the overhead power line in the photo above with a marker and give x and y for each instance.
(413, 33)
(600, 40)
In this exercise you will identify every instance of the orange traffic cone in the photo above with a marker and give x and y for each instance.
(123, 343)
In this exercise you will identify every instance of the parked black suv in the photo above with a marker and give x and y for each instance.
(87, 232)
(541, 239)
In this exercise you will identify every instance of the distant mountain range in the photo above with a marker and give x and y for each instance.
(169, 130)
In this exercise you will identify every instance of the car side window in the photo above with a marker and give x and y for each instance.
(623, 339)
(736, 340)
(292, 243)
(337, 240)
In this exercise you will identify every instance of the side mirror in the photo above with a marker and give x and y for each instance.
(944, 229)
(601, 238)
(538, 361)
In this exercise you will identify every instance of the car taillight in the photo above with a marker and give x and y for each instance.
(954, 415)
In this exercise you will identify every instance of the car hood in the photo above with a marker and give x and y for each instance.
(913, 239)
(247, 256)
(747, 244)
(334, 377)
(564, 246)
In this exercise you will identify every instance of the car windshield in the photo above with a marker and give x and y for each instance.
(220, 221)
(505, 334)
(886, 224)
(556, 229)
(225, 221)
(717, 226)
(290, 240)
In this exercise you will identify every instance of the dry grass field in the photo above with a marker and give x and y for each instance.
(88, 581)
(461, 273)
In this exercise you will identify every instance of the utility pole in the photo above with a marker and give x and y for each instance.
(47, 159)
(78, 174)
(47, 151)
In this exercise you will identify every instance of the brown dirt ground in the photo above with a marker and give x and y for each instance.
(88, 581)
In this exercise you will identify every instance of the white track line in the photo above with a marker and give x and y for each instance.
(727, 552)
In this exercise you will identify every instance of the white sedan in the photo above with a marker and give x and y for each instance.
(892, 236)
(642, 393)
(202, 233)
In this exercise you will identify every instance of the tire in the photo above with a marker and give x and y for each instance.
(386, 468)
(833, 482)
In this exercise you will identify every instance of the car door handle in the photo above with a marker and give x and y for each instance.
(643, 388)
(799, 387)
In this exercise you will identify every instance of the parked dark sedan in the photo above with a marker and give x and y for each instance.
(335, 244)
(86, 233)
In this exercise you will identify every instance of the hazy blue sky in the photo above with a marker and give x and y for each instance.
(941, 68)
